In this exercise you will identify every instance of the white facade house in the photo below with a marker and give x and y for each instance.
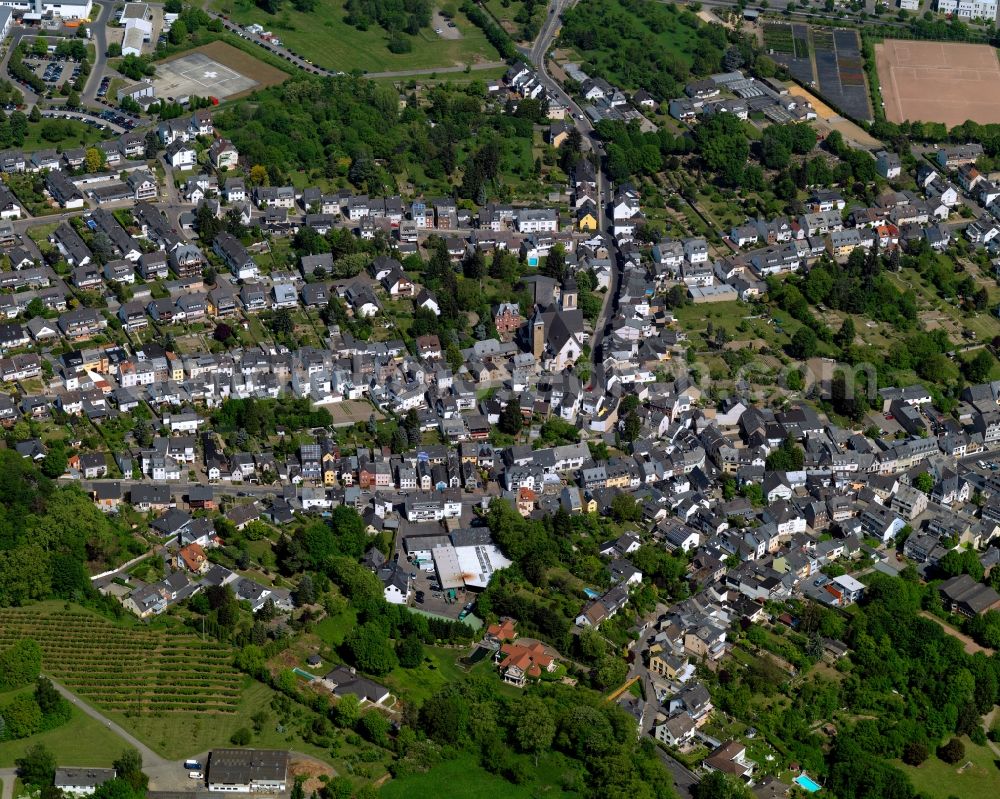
(969, 9)
(82, 781)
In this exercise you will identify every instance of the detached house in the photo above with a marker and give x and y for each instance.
(235, 255)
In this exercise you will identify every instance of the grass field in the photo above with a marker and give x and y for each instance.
(976, 774)
(333, 629)
(82, 741)
(439, 667)
(74, 134)
(324, 38)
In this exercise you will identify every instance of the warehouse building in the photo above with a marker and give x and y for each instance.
(248, 770)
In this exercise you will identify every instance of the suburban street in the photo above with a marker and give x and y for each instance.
(537, 57)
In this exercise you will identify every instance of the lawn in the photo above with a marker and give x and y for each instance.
(324, 38)
(65, 133)
(976, 774)
(440, 666)
(82, 741)
(333, 629)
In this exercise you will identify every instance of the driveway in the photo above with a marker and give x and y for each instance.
(8, 775)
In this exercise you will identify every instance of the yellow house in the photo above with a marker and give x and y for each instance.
(329, 465)
(666, 665)
(558, 133)
(589, 505)
(176, 367)
(586, 220)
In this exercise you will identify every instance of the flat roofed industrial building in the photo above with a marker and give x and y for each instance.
(248, 770)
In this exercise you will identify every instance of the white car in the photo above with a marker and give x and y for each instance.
(195, 775)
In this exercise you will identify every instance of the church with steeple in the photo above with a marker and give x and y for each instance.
(555, 334)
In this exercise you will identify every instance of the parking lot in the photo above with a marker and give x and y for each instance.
(53, 71)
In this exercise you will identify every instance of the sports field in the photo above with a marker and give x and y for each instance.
(939, 82)
(213, 70)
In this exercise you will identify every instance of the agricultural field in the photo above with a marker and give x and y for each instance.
(789, 46)
(323, 37)
(840, 71)
(825, 58)
(136, 672)
(792, 40)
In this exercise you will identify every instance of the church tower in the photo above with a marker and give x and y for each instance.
(569, 295)
(537, 335)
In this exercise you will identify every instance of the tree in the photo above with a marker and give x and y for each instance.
(510, 418)
(787, 457)
(347, 711)
(534, 727)
(178, 32)
(37, 766)
(555, 263)
(716, 785)
(114, 50)
(612, 671)
(369, 649)
(129, 768)
(73, 99)
(951, 752)
(258, 175)
(93, 161)
(845, 336)
(20, 664)
(410, 652)
(305, 591)
(625, 508)
(924, 482)
(804, 343)
(915, 753)
(375, 727)
(979, 368)
(260, 720)
(241, 737)
(55, 461)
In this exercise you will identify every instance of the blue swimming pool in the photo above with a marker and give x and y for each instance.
(808, 783)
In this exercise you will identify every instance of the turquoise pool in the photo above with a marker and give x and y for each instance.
(808, 783)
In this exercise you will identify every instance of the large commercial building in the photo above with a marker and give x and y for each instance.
(969, 9)
(248, 770)
(75, 9)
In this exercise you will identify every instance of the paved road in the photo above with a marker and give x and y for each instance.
(99, 36)
(16, 34)
(536, 55)
(684, 778)
(8, 775)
